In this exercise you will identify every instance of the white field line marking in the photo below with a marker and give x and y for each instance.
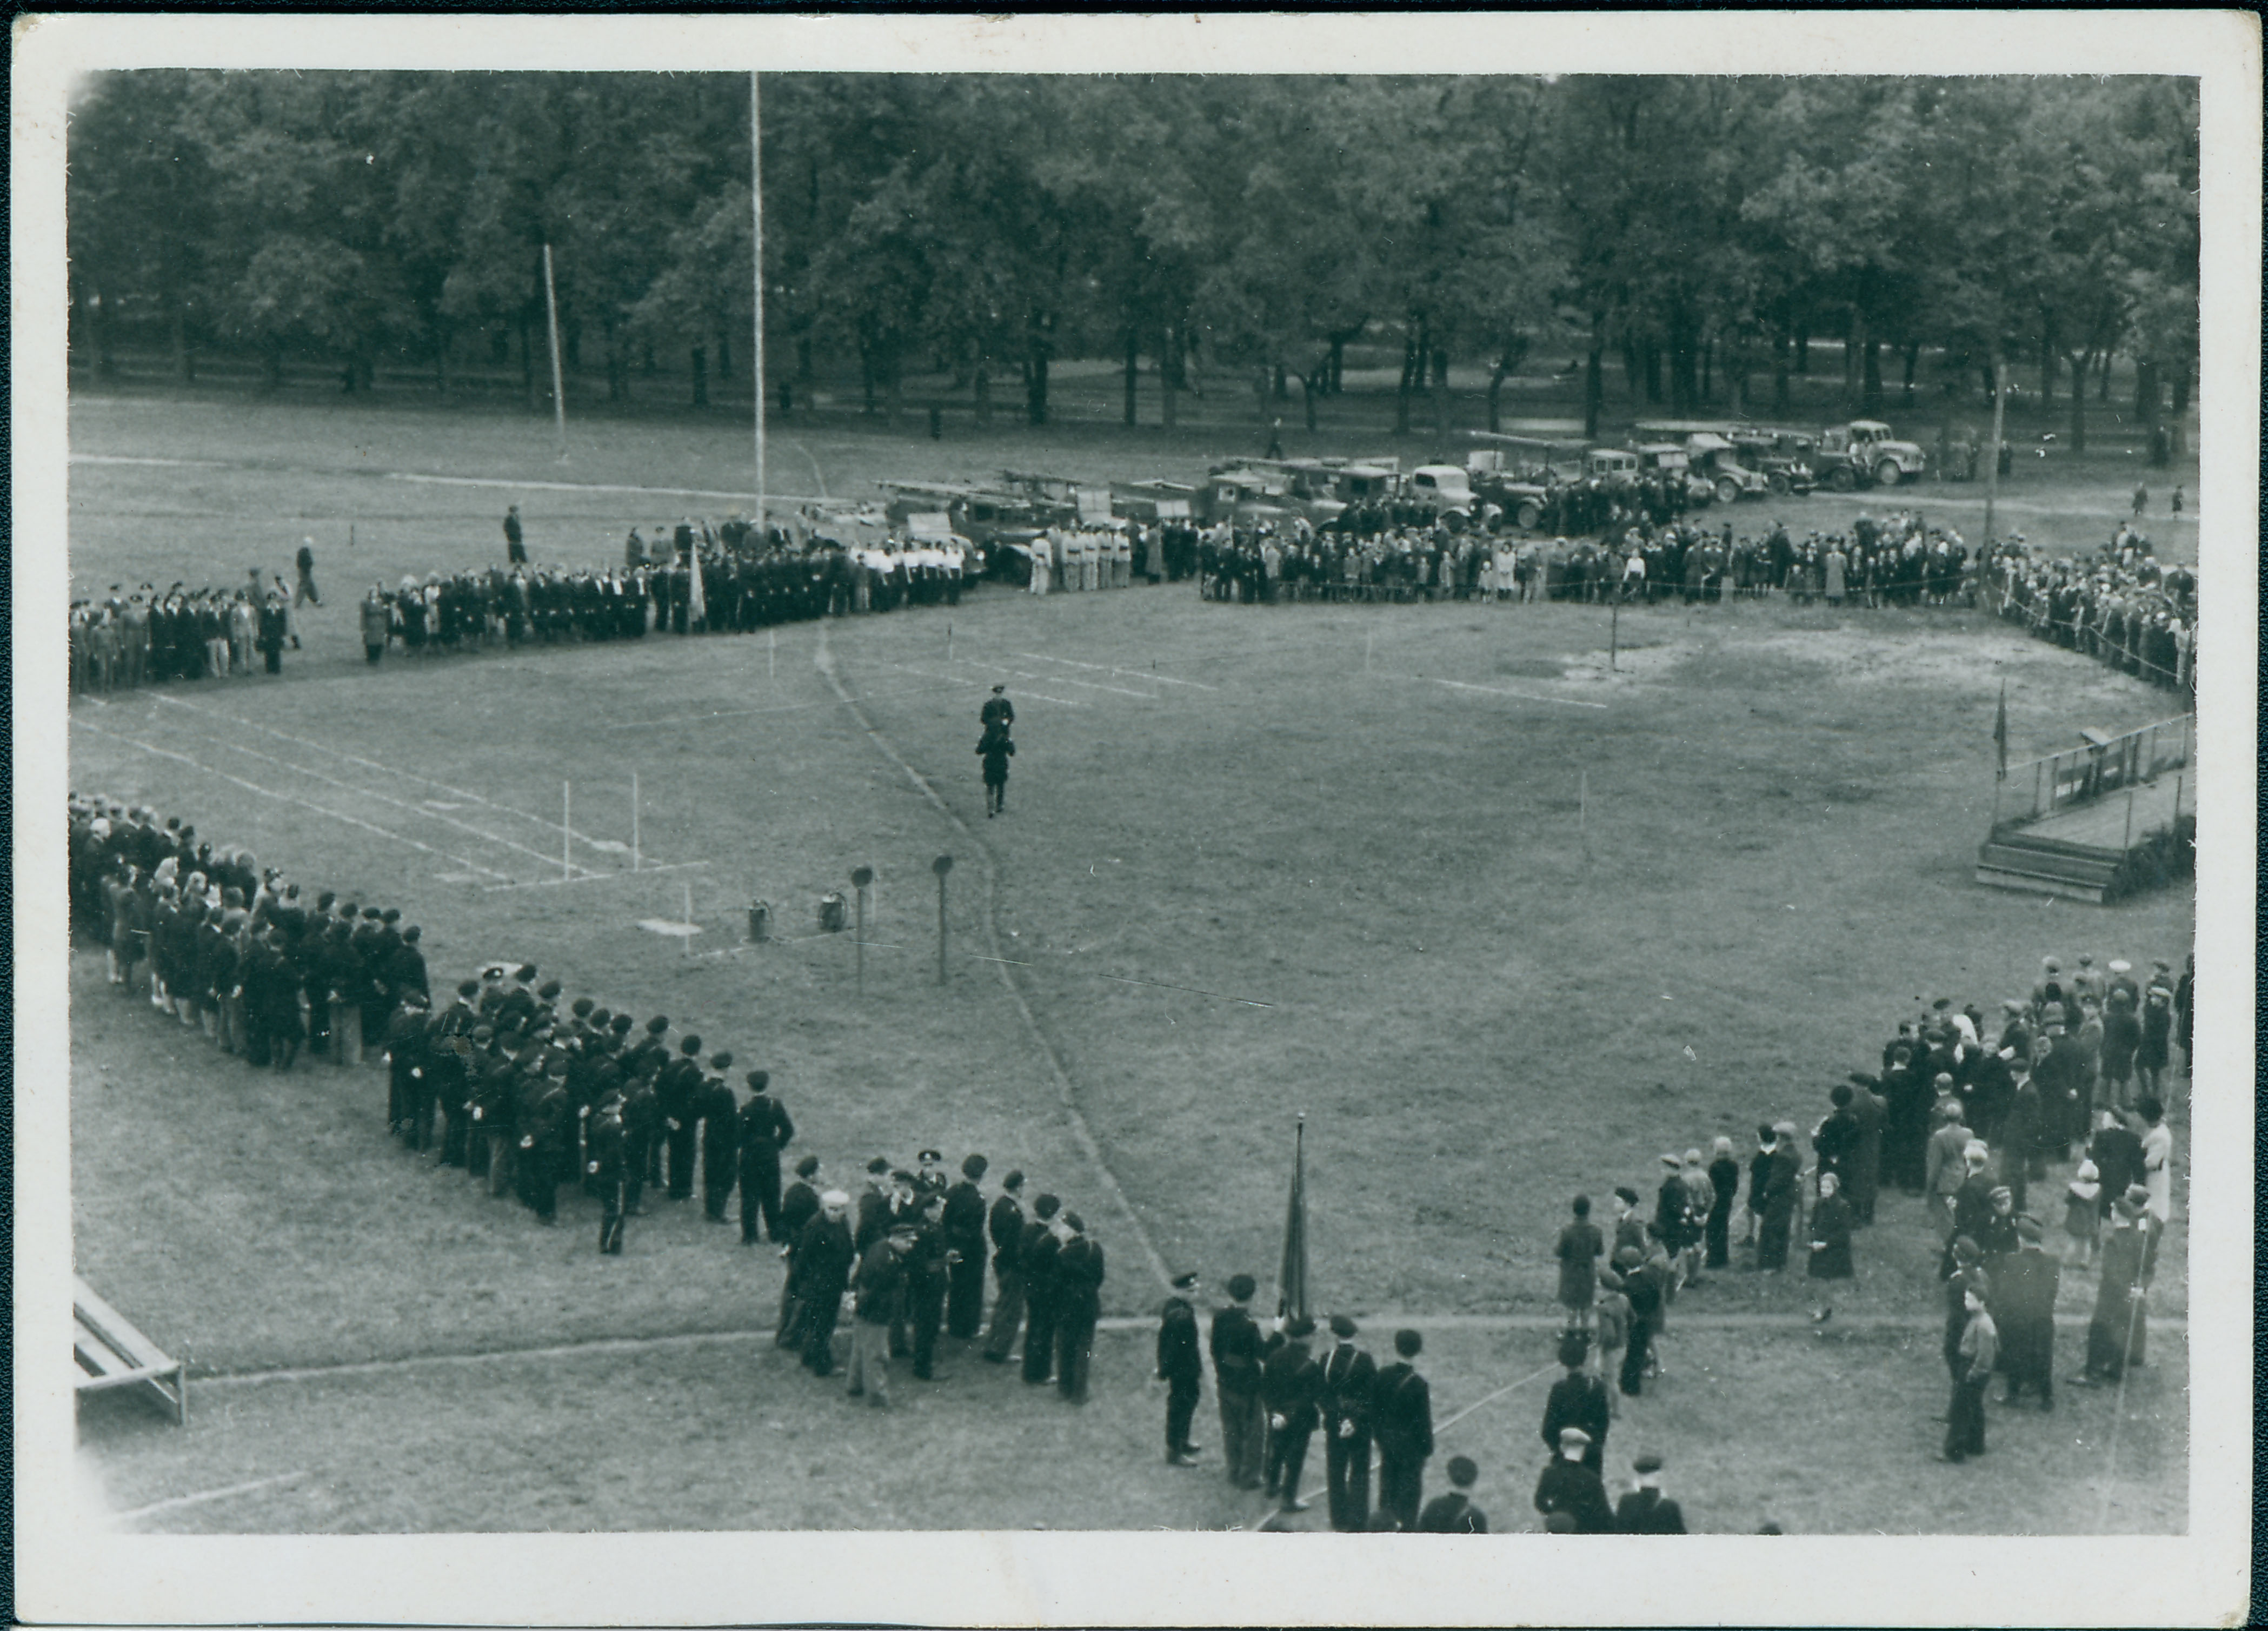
(400, 804)
(384, 770)
(954, 679)
(119, 458)
(1066, 1095)
(591, 877)
(286, 798)
(1532, 1376)
(735, 713)
(209, 1494)
(674, 493)
(1052, 679)
(1162, 679)
(1493, 691)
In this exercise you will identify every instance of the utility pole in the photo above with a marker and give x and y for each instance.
(558, 388)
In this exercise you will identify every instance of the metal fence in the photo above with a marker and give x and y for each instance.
(2039, 787)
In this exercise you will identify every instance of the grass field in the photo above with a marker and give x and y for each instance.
(1503, 921)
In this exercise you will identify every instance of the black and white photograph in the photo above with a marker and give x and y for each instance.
(852, 819)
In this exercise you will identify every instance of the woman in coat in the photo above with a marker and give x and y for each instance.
(1831, 1232)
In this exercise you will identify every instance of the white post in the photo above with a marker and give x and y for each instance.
(634, 822)
(558, 389)
(566, 833)
(688, 919)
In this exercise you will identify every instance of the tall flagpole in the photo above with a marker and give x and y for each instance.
(558, 388)
(757, 207)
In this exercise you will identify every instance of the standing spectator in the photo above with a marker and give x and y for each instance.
(1725, 1186)
(2151, 1058)
(1004, 1225)
(1291, 1384)
(2024, 1307)
(819, 1274)
(1782, 1183)
(1672, 1221)
(720, 1154)
(2185, 988)
(964, 1238)
(1831, 1232)
(1180, 1367)
(515, 550)
(1578, 1400)
(1644, 1293)
(306, 595)
(996, 748)
(1454, 1513)
(1864, 1179)
(2022, 1133)
(1946, 1167)
(1700, 1196)
(1579, 1248)
(2141, 498)
(879, 1287)
(2082, 1214)
(2157, 1177)
(1042, 1245)
(1570, 1489)
(2116, 1332)
(377, 620)
(1078, 1304)
(1974, 1360)
(798, 1208)
(1644, 1511)
(2117, 1153)
(1837, 1138)
(765, 1127)
(1759, 1178)
(1349, 1382)
(1403, 1419)
(1234, 1342)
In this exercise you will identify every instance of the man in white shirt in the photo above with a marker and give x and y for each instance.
(2157, 1177)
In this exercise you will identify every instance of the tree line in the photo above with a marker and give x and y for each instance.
(1694, 234)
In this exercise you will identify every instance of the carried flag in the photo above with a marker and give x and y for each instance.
(1292, 1280)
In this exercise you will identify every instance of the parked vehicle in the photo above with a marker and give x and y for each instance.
(1785, 457)
(1713, 455)
(1863, 451)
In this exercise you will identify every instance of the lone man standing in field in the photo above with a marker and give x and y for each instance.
(306, 595)
(515, 550)
(997, 710)
(996, 750)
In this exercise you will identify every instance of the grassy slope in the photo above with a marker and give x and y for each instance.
(1822, 1435)
(1471, 1012)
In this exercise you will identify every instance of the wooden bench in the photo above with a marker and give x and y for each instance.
(114, 1355)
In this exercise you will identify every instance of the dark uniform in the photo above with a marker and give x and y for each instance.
(1349, 1382)
(964, 1238)
(607, 1164)
(1290, 1385)
(1235, 1346)
(1182, 1368)
(765, 1127)
(1079, 1303)
(926, 1273)
(822, 1264)
(1402, 1420)
(720, 1153)
(679, 1088)
(1039, 1256)
(1578, 1399)
(1005, 1225)
(1571, 1487)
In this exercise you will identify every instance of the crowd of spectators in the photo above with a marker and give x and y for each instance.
(147, 637)
(2118, 604)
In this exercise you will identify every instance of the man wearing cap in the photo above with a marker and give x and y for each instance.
(605, 1146)
(764, 1130)
(928, 1266)
(1079, 1303)
(1454, 1513)
(1235, 1344)
(1402, 1421)
(1945, 1169)
(879, 1288)
(1004, 1225)
(997, 711)
(1644, 1511)
(1782, 1182)
(820, 1271)
(1578, 1400)
(798, 1208)
(2024, 1286)
(964, 1241)
(719, 1114)
(678, 1088)
(1041, 1247)
(1291, 1384)
(1181, 1366)
(1569, 1487)
(1350, 1384)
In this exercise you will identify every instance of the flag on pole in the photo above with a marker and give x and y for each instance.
(1292, 1280)
(2001, 736)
